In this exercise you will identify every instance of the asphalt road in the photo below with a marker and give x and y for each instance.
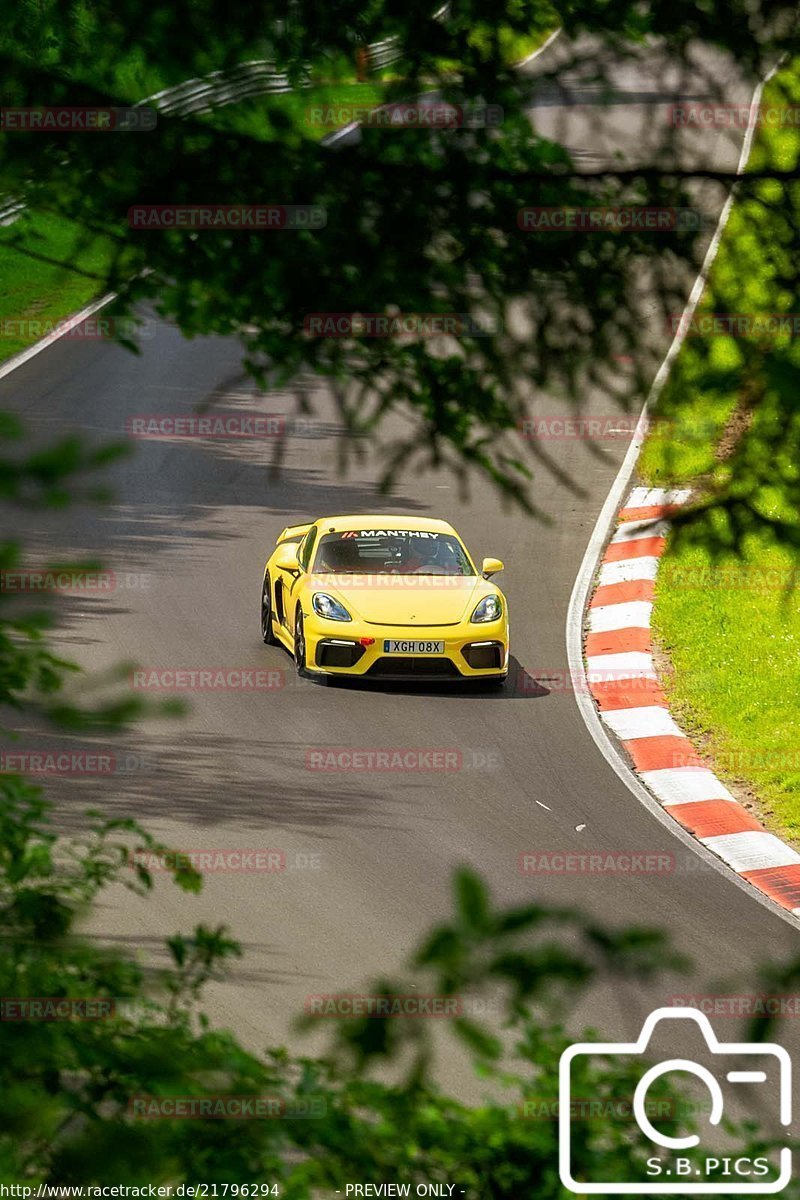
(369, 854)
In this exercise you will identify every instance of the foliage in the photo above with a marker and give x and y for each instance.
(416, 221)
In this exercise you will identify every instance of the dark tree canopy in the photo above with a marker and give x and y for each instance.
(416, 222)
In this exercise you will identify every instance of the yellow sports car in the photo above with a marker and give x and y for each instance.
(384, 598)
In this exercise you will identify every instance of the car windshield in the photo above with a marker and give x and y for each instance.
(391, 552)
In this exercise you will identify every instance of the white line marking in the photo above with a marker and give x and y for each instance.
(752, 850)
(651, 721)
(631, 531)
(628, 569)
(645, 497)
(332, 138)
(686, 785)
(632, 614)
(608, 668)
(605, 521)
(535, 54)
(63, 327)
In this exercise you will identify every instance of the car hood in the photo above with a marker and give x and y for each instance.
(414, 600)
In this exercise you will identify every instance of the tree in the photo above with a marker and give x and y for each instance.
(98, 1054)
(106, 1080)
(420, 222)
(108, 1072)
(433, 231)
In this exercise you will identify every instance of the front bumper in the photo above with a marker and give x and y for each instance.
(470, 651)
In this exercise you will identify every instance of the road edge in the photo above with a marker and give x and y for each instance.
(64, 326)
(336, 135)
(601, 535)
(623, 681)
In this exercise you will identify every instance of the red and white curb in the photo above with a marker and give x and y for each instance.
(622, 679)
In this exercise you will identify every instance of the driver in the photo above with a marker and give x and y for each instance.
(426, 555)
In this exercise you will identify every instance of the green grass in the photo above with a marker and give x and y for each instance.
(754, 258)
(335, 87)
(731, 626)
(732, 632)
(264, 116)
(36, 291)
(517, 46)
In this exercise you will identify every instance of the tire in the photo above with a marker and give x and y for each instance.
(267, 633)
(299, 643)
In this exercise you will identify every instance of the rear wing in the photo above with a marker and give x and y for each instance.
(293, 533)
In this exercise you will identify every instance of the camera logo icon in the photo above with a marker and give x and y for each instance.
(669, 1171)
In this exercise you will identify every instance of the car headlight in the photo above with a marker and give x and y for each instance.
(489, 609)
(325, 606)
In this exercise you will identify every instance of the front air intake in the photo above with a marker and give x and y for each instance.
(484, 656)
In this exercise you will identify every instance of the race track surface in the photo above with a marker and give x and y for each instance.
(187, 538)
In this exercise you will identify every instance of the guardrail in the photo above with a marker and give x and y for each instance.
(256, 78)
(222, 87)
(248, 79)
(10, 210)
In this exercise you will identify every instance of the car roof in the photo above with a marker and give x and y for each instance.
(383, 521)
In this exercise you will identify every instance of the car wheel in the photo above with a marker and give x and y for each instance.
(267, 633)
(299, 644)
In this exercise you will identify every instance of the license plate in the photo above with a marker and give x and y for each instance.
(413, 647)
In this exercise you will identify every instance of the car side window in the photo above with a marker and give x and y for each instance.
(306, 549)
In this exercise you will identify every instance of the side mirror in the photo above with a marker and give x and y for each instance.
(491, 566)
(286, 557)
